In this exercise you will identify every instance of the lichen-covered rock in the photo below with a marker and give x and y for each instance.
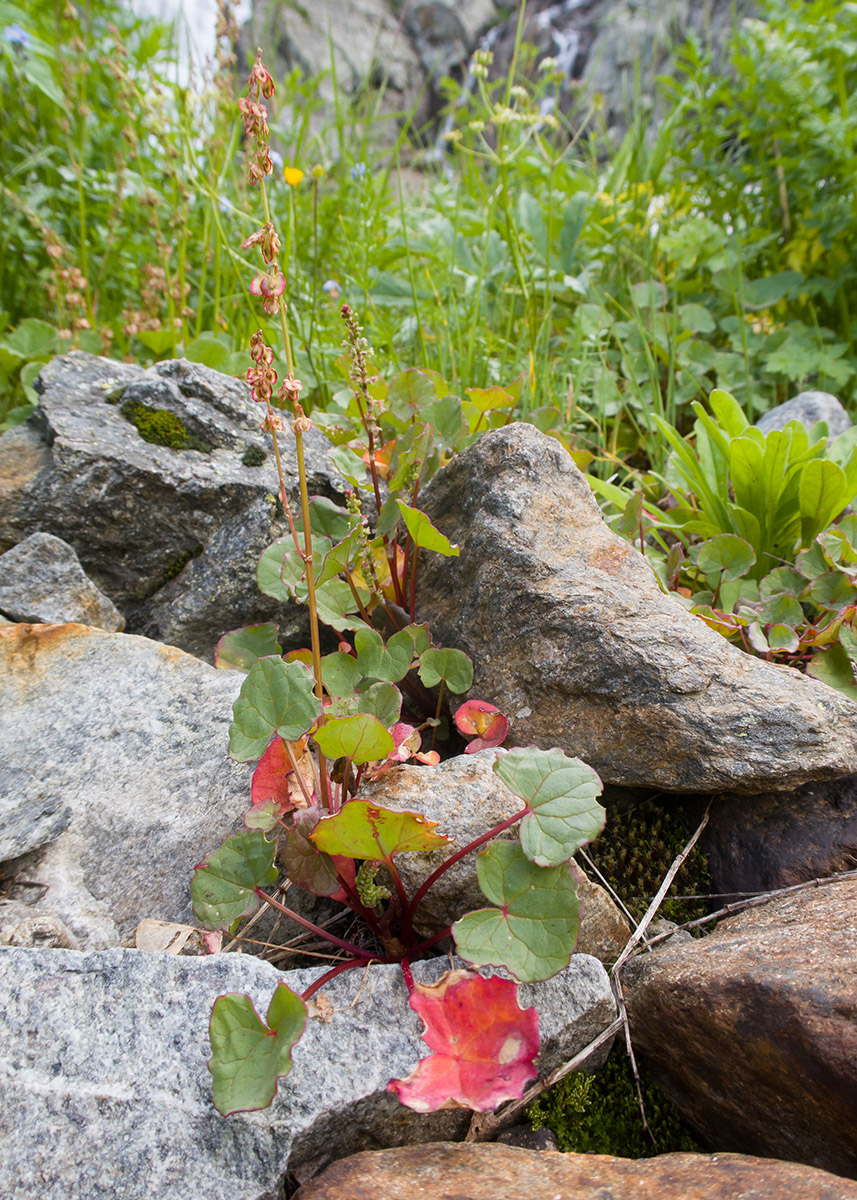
(466, 799)
(122, 769)
(115, 1043)
(752, 1031)
(136, 511)
(42, 582)
(572, 638)
(486, 1172)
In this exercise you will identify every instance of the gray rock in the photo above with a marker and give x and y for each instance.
(127, 740)
(41, 580)
(30, 925)
(466, 799)
(217, 591)
(752, 1031)
(573, 640)
(137, 512)
(32, 813)
(807, 407)
(115, 1043)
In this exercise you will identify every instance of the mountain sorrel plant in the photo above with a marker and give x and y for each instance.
(322, 725)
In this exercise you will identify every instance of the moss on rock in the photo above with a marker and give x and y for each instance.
(160, 427)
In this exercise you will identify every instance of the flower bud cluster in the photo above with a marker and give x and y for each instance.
(260, 86)
(262, 377)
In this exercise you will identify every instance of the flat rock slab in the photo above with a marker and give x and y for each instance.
(752, 1031)
(492, 1172)
(136, 512)
(104, 1090)
(113, 750)
(42, 581)
(466, 799)
(572, 638)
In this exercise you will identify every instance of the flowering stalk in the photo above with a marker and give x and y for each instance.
(270, 284)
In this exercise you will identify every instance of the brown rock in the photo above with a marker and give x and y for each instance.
(447, 1171)
(572, 638)
(782, 837)
(752, 1031)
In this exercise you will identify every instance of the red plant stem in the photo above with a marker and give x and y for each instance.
(363, 613)
(363, 955)
(414, 586)
(339, 969)
(406, 971)
(432, 941)
(453, 859)
(397, 882)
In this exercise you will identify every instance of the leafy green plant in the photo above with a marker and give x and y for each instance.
(321, 725)
(755, 551)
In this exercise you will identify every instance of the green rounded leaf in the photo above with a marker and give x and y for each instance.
(363, 830)
(424, 533)
(340, 674)
(381, 700)
(453, 666)
(223, 887)
(361, 737)
(276, 697)
(248, 1057)
(562, 796)
(377, 661)
(239, 649)
(535, 930)
(726, 553)
(835, 668)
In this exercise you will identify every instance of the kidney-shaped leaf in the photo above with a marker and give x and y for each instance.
(276, 697)
(484, 1044)
(224, 885)
(424, 533)
(361, 737)
(534, 931)
(377, 661)
(727, 553)
(239, 649)
(363, 830)
(482, 719)
(453, 666)
(248, 1057)
(561, 794)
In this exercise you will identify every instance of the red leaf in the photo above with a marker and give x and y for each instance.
(477, 717)
(271, 778)
(484, 1044)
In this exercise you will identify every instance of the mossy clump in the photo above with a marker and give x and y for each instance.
(638, 846)
(178, 565)
(254, 456)
(600, 1114)
(160, 427)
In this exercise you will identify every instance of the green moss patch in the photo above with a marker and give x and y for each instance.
(254, 456)
(599, 1114)
(160, 427)
(634, 853)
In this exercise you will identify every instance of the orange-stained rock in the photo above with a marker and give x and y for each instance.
(752, 1031)
(448, 1171)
